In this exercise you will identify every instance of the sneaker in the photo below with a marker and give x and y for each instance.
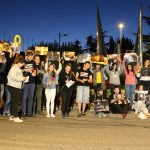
(79, 115)
(83, 114)
(99, 115)
(123, 116)
(136, 112)
(104, 115)
(11, 118)
(63, 116)
(53, 116)
(30, 115)
(18, 120)
(48, 116)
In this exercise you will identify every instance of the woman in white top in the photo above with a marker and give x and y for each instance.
(15, 79)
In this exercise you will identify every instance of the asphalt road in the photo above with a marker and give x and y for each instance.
(85, 133)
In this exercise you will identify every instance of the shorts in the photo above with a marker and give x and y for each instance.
(83, 94)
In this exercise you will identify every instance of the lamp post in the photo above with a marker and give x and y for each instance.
(120, 26)
(59, 42)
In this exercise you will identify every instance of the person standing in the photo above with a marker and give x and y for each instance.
(84, 80)
(130, 81)
(49, 82)
(15, 78)
(2, 78)
(114, 76)
(38, 86)
(30, 71)
(98, 78)
(66, 82)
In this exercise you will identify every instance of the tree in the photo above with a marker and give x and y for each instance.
(127, 44)
(66, 46)
(111, 45)
(91, 44)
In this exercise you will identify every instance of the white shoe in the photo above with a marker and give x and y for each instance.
(136, 112)
(142, 116)
(53, 116)
(11, 118)
(18, 120)
(48, 116)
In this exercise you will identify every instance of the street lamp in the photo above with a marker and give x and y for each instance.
(120, 26)
(59, 42)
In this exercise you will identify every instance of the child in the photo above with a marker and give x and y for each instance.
(49, 82)
(101, 104)
(119, 103)
(141, 96)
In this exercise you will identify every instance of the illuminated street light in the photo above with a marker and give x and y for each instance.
(120, 26)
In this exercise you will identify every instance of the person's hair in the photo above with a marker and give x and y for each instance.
(87, 62)
(99, 89)
(36, 56)
(113, 66)
(19, 59)
(71, 72)
(29, 53)
(117, 87)
(131, 66)
(138, 86)
(145, 61)
(54, 71)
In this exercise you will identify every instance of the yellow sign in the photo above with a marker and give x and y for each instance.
(41, 50)
(17, 39)
(99, 59)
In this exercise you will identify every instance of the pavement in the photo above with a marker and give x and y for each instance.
(86, 133)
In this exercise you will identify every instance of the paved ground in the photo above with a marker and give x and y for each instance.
(86, 133)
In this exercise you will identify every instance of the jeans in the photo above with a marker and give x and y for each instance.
(130, 92)
(7, 102)
(1, 91)
(27, 98)
(38, 98)
(50, 98)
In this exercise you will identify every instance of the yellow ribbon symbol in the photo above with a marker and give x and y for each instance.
(17, 39)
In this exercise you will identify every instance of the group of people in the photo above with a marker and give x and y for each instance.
(25, 79)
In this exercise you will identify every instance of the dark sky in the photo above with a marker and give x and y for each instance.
(44, 19)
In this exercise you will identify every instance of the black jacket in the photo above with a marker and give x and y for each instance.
(63, 76)
(2, 73)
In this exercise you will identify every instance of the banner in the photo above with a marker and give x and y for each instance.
(41, 50)
(14, 46)
(82, 58)
(130, 58)
(99, 59)
(53, 56)
(101, 105)
(69, 56)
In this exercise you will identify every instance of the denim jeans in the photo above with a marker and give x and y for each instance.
(27, 98)
(38, 98)
(130, 92)
(7, 102)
